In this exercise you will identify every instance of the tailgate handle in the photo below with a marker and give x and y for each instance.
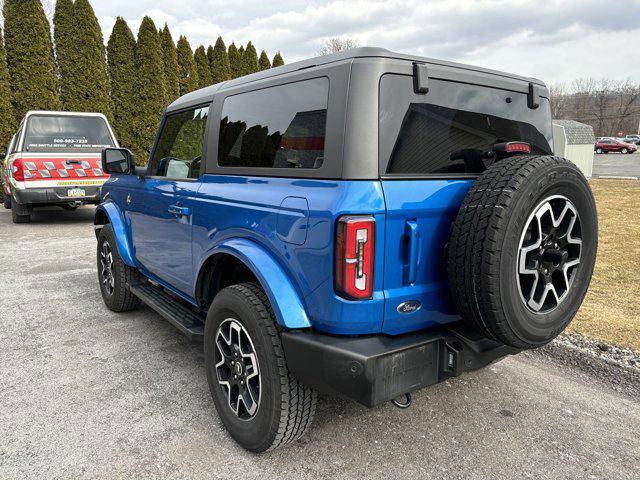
(412, 236)
(179, 211)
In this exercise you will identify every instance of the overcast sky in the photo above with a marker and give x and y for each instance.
(556, 41)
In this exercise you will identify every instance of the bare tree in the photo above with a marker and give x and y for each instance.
(337, 44)
(559, 101)
(609, 106)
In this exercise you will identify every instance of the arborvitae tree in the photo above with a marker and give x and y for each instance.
(235, 61)
(120, 54)
(7, 116)
(202, 67)
(250, 60)
(150, 92)
(263, 61)
(277, 60)
(170, 57)
(66, 48)
(219, 62)
(187, 73)
(32, 70)
(80, 53)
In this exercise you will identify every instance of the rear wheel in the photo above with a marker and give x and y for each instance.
(114, 275)
(20, 213)
(261, 405)
(523, 249)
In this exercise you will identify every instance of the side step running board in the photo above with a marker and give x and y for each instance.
(174, 311)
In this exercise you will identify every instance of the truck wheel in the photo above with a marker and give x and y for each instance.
(6, 200)
(261, 405)
(523, 248)
(20, 213)
(114, 275)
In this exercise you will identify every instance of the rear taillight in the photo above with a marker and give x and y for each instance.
(17, 170)
(355, 256)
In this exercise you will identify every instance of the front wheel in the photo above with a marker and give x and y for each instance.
(599, 150)
(114, 275)
(260, 404)
(624, 151)
(6, 200)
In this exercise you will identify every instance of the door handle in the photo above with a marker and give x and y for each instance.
(179, 211)
(413, 242)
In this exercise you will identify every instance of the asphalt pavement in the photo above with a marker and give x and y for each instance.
(616, 165)
(87, 393)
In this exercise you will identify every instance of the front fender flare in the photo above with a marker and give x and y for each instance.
(285, 301)
(116, 220)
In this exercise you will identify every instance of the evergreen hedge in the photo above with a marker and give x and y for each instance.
(170, 57)
(219, 62)
(120, 55)
(150, 96)
(32, 70)
(202, 67)
(187, 73)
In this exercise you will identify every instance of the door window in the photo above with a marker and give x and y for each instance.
(276, 127)
(178, 153)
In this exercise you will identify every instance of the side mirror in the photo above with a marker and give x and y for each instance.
(118, 161)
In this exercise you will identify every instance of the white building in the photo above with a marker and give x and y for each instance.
(574, 141)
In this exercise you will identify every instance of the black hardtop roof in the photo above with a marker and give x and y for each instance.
(206, 94)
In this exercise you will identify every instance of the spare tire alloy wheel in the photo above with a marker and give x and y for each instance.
(523, 248)
(237, 368)
(549, 254)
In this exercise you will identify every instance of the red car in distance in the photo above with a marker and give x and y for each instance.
(606, 145)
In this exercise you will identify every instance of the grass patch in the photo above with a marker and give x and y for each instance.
(611, 310)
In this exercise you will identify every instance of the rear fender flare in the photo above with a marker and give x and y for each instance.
(116, 220)
(287, 305)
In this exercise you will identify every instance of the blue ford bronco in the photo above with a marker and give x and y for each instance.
(362, 224)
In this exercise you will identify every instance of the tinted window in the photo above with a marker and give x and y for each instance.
(277, 127)
(45, 133)
(450, 129)
(179, 150)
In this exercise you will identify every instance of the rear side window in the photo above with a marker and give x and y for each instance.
(449, 130)
(178, 153)
(276, 127)
(46, 133)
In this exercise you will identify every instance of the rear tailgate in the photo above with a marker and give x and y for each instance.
(432, 147)
(62, 171)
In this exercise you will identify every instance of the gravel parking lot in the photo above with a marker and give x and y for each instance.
(86, 393)
(616, 164)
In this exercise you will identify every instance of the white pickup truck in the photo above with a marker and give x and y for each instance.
(54, 159)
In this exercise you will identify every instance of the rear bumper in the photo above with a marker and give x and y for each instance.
(374, 369)
(55, 195)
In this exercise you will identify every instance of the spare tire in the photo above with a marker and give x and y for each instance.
(523, 248)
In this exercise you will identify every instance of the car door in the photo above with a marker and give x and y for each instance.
(161, 214)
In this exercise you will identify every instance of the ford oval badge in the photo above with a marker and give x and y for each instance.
(409, 307)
